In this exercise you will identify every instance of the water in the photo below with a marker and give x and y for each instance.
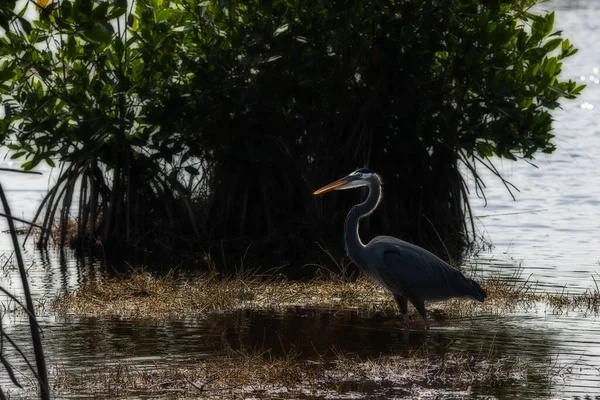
(550, 234)
(553, 227)
(82, 344)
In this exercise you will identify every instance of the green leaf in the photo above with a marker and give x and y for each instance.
(535, 54)
(71, 46)
(116, 12)
(65, 9)
(551, 67)
(485, 149)
(6, 74)
(99, 13)
(119, 48)
(578, 89)
(561, 92)
(163, 15)
(552, 44)
(509, 155)
(549, 23)
(29, 165)
(100, 33)
(26, 25)
(132, 21)
(4, 22)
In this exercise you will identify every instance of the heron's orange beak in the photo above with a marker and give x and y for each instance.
(333, 185)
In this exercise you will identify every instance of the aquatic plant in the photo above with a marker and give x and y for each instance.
(260, 372)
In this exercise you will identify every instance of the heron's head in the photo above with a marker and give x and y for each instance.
(360, 177)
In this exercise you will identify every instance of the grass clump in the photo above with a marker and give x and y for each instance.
(256, 372)
(588, 302)
(143, 295)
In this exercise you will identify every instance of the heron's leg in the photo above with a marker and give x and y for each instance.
(403, 305)
(420, 306)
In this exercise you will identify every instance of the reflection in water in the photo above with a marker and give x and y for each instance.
(555, 359)
(83, 343)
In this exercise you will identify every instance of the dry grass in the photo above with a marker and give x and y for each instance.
(255, 373)
(142, 295)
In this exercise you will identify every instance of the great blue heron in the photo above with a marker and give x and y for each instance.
(410, 272)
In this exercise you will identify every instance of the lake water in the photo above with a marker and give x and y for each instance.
(552, 229)
(550, 234)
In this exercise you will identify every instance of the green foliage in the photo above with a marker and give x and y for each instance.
(9, 18)
(507, 107)
(248, 105)
(77, 89)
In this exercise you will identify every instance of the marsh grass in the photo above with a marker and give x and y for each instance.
(141, 294)
(231, 373)
(587, 302)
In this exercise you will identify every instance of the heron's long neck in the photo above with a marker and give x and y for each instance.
(354, 247)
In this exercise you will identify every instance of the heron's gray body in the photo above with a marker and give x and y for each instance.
(410, 272)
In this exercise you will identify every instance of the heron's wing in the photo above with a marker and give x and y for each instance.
(414, 272)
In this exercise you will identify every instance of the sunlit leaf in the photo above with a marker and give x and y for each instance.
(552, 44)
(273, 58)
(283, 28)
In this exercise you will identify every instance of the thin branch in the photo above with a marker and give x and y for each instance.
(479, 184)
(21, 171)
(22, 220)
(20, 351)
(9, 370)
(511, 213)
(495, 171)
(35, 333)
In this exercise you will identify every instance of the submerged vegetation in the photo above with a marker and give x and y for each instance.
(256, 372)
(178, 124)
